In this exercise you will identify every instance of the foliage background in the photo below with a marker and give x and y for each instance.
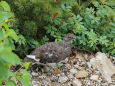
(40, 21)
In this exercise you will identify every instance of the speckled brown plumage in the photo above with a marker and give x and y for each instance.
(54, 51)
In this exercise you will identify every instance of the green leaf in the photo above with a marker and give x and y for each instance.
(5, 6)
(5, 26)
(9, 57)
(9, 42)
(3, 70)
(25, 78)
(111, 2)
(12, 34)
(26, 65)
(10, 83)
(4, 16)
(1, 82)
(1, 36)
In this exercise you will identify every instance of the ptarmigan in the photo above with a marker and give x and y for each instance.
(53, 52)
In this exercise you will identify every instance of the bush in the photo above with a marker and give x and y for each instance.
(92, 21)
(7, 58)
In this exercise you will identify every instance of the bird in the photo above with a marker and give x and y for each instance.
(53, 52)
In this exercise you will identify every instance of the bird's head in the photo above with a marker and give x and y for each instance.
(69, 37)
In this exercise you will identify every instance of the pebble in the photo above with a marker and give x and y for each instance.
(70, 76)
(34, 74)
(35, 83)
(80, 68)
(42, 76)
(68, 66)
(54, 78)
(46, 82)
(76, 66)
(55, 84)
(73, 71)
(81, 74)
(94, 77)
(62, 79)
(76, 83)
(48, 69)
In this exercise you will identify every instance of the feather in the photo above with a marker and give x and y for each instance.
(32, 57)
(53, 52)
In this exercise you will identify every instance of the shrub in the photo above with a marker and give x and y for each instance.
(92, 21)
(7, 58)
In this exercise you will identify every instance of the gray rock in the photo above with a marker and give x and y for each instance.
(94, 77)
(76, 82)
(70, 76)
(35, 83)
(46, 82)
(34, 74)
(73, 71)
(54, 78)
(62, 79)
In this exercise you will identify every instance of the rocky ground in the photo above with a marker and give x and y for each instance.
(74, 71)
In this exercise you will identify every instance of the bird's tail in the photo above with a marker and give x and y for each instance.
(32, 57)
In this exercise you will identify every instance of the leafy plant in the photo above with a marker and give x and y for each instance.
(92, 21)
(7, 58)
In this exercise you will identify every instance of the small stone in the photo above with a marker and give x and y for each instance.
(62, 79)
(94, 77)
(46, 82)
(34, 74)
(35, 83)
(42, 76)
(80, 68)
(62, 74)
(48, 69)
(54, 78)
(81, 74)
(70, 76)
(68, 66)
(77, 83)
(76, 65)
(55, 84)
(73, 71)
(88, 83)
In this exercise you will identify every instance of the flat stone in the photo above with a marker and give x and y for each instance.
(76, 82)
(94, 77)
(70, 76)
(34, 74)
(73, 71)
(80, 68)
(62, 79)
(46, 82)
(81, 74)
(55, 84)
(35, 83)
(68, 66)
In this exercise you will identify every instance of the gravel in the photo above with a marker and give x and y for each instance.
(77, 72)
